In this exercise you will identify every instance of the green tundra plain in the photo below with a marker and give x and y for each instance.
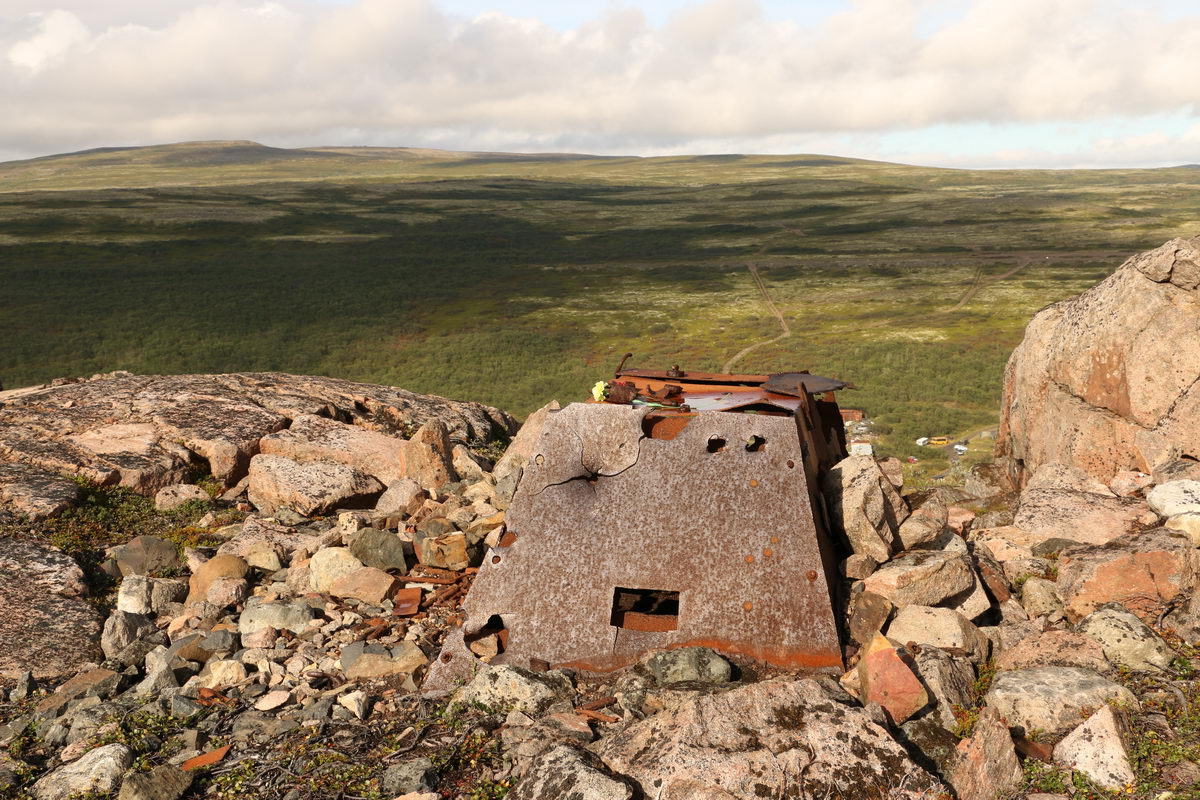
(515, 279)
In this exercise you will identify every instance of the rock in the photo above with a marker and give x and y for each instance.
(273, 700)
(1054, 648)
(219, 674)
(1126, 640)
(869, 612)
(217, 567)
(45, 626)
(1187, 524)
(922, 578)
(259, 615)
(1051, 699)
(35, 493)
(166, 782)
(563, 771)
(986, 766)
(379, 549)
(1083, 390)
(867, 505)
(431, 462)
(949, 681)
(687, 664)
(121, 629)
(133, 595)
(227, 592)
(522, 446)
(170, 498)
(266, 557)
(447, 550)
(146, 555)
(926, 523)
(307, 488)
(257, 532)
(1175, 498)
(1178, 469)
(939, 627)
(327, 565)
(1097, 748)
(414, 775)
(404, 496)
(886, 677)
(985, 481)
(857, 566)
(96, 682)
(313, 438)
(357, 703)
(959, 519)
(1130, 483)
(1078, 516)
(768, 739)
(502, 686)
(1041, 598)
(367, 584)
(97, 772)
(404, 659)
(1144, 572)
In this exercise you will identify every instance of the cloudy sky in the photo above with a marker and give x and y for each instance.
(983, 83)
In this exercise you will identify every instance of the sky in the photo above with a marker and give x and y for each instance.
(957, 83)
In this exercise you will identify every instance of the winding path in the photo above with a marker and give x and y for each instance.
(774, 309)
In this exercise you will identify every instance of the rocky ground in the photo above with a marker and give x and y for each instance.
(230, 586)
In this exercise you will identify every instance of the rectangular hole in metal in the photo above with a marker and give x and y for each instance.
(755, 444)
(645, 609)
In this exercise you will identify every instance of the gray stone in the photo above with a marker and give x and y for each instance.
(379, 549)
(948, 679)
(1041, 598)
(401, 497)
(690, 664)
(564, 772)
(122, 629)
(1051, 699)
(923, 578)
(327, 565)
(1126, 640)
(296, 616)
(505, 687)
(161, 783)
(170, 498)
(866, 505)
(146, 555)
(1098, 749)
(97, 772)
(1174, 498)
(939, 627)
(414, 775)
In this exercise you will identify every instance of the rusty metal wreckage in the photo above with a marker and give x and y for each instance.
(674, 509)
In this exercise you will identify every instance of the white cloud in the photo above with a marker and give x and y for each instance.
(404, 72)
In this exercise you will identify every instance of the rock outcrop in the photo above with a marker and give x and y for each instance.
(149, 432)
(1110, 380)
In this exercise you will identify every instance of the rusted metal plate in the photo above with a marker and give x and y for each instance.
(727, 530)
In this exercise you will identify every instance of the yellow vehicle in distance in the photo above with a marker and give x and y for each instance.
(939, 441)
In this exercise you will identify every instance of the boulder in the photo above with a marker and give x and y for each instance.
(327, 565)
(35, 493)
(1187, 524)
(1054, 648)
(431, 458)
(1041, 598)
(414, 775)
(687, 665)
(216, 568)
(313, 438)
(948, 679)
(985, 766)
(563, 771)
(257, 532)
(367, 584)
(170, 498)
(869, 613)
(307, 488)
(1126, 640)
(45, 625)
(923, 578)
(98, 772)
(1144, 572)
(1175, 498)
(145, 555)
(767, 739)
(886, 676)
(1130, 483)
(1098, 749)
(502, 686)
(866, 504)
(1051, 699)
(1101, 381)
(1077, 516)
(939, 627)
(260, 614)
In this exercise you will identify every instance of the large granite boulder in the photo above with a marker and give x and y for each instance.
(45, 626)
(1107, 381)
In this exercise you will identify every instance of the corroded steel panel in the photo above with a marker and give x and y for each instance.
(720, 514)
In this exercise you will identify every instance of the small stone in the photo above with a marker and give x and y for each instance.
(227, 592)
(1188, 524)
(219, 674)
(414, 775)
(170, 498)
(379, 549)
(1128, 483)
(121, 629)
(405, 659)
(97, 772)
(133, 595)
(939, 627)
(357, 703)
(1040, 598)
(222, 566)
(368, 584)
(146, 555)
(887, 679)
(688, 664)
(273, 700)
(446, 551)
(1126, 640)
(259, 614)
(869, 612)
(402, 497)
(327, 565)
(265, 556)
(1097, 748)
(858, 566)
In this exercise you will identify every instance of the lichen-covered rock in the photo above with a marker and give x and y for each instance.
(1098, 749)
(502, 686)
(35, 493)
(563, 771)
(1126, 640)
(1051, 699)
(98, 772)
(45, 626)
(1105, 381)
(1175, 498)
(923, 578)
(763, 739)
